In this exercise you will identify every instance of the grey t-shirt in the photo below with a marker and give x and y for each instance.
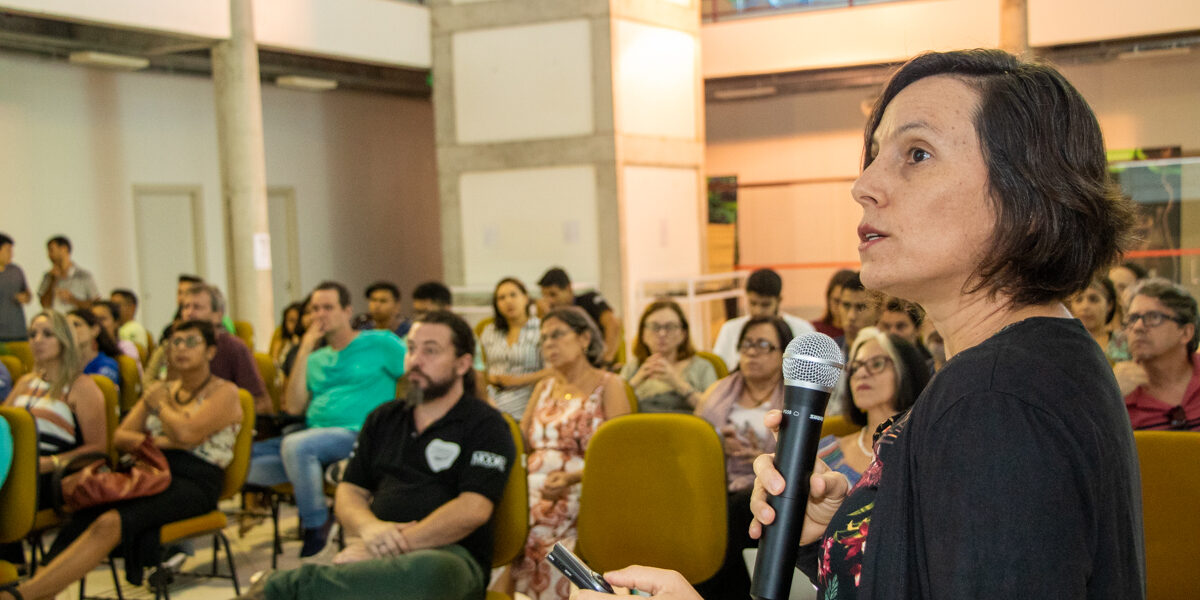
(12, 313)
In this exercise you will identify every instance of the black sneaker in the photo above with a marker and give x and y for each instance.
(315, 539)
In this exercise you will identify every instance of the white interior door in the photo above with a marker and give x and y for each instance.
(285, 251)
(169, 242)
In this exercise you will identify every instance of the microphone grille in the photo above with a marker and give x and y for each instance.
(813, 358)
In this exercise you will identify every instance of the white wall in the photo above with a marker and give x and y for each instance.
(199, 18)
(818, 136)
(77, 140)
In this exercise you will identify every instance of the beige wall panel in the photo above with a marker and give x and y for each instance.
(661, 222)
(655, 86)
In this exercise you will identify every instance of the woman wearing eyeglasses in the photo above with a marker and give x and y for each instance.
(883, 378)
(736, 406)
(665, 372)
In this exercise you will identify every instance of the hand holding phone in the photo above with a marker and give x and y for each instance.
(575, 570)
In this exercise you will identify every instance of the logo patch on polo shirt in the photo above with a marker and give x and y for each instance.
(488, 460)
(441, 454)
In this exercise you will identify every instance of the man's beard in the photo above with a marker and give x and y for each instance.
(432, 391)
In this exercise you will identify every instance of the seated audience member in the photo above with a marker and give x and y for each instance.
(557, 293)
(5, 381)
(127, 328)
(937, 349)
(431, 296)
(6, 449)
(859, 309)
(904, 319)
(233, 360)
(885, 375)
(1162, 383)
(563, 412)
(764, 292)
(194, 421)
(97, 350)
(335, 388)
(418, 492)
(14, 294)
(105, 312)
(289, 333)
(1096, 308)
(1124, 276)
(830, 323)
(735, 406)
(65, 286)
(383, 310)
(664, 371)
(66, 404)
(510, 348)
(306, 317)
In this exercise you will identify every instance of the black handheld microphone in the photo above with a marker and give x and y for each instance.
(812, 365)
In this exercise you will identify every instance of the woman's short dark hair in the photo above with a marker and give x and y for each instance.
(1110, 293)
(685, 350)
(1177, 299)
(1058, 217)
(298, 329)
(912, 372)
(461, 336)
(578, 321)
(498, 319)
(204, 328)
(105, 343)
(782, 329)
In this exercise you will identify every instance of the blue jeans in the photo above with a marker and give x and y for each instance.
(300, 458)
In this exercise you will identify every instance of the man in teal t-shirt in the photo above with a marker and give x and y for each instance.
(334, 388)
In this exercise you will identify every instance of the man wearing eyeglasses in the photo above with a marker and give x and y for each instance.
(1161, 384)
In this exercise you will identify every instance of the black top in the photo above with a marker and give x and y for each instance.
(1014, 475)
(594, 305)
(470, 449)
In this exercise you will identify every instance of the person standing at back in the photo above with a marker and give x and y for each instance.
(764, 294)
(65, 286)
(14, 294)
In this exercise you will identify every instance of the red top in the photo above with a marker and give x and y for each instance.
(1148, 412)
(827, 328)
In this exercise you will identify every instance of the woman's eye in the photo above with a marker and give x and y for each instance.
(918, 155)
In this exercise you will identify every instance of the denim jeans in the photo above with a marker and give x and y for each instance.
(300, 458)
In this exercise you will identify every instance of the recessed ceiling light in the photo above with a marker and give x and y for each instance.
(309, 84)
(109, 61)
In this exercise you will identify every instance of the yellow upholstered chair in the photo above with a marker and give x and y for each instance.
(631, 396)
(23, 353)
(654, 494)
(270, 377)
(18, 497)
(131, 382)
(15, 367)
(245, 331)
(838, 425)
(717, 363)
(1170, 466)
(510, 518)
(150, 347)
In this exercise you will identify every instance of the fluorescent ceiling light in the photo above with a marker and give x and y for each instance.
(109, 61)
(1155, 53)
(738, 94)
(308, 84)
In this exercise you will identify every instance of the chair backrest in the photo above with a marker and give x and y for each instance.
(269, 373)
(18, 497)
(510, 519)
(22, 351)
(15, 367)
(150, 346)
(244, 330)
(654, 494)
(131, 382)
(235, 473)
(112, 411)
(717, 363)
(838, 425)
(1170, 466)
(479, 327)
(631, 396)
(143, 353)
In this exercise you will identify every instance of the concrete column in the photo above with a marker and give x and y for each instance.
(244, 173)
(570, 133)
(1014, 27)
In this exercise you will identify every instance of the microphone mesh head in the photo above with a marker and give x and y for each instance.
(813, 358)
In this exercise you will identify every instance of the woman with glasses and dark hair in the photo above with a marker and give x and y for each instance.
(884, 376)
(736, 406)
(510, 348)
(665, 373)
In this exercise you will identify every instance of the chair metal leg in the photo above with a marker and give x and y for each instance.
(214, 561)
(277, 544)
(112, 567)
(237, 590)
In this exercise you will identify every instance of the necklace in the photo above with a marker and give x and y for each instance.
(195, 392)
(861, 446)
(761, 399)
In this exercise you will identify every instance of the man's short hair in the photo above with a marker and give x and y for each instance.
(461, 335)
(435, 292)
(214, 294)
(342, 292)
(59, 240)
(186, 278)
(555, 277)
(206, 329)
(854, 284)
(765, 282)
(386, 286)
(1059, 218)
(4, 239)
(127, 294)
(915, 312)
(1177, 299)
(1139, 272)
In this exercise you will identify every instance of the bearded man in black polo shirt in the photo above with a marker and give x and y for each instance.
(420, 487)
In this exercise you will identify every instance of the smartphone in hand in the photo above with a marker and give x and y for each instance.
(574, 569)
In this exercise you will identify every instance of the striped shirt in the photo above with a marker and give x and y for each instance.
(57, 426)
(521, 358)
